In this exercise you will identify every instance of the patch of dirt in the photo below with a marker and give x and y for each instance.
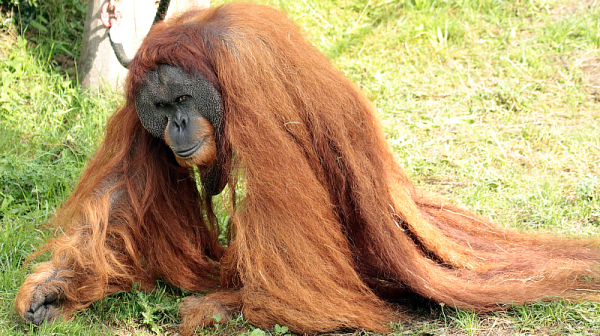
(589, 64)
(66, 64)
(569, 7)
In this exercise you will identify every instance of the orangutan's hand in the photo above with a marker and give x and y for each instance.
(41, 296)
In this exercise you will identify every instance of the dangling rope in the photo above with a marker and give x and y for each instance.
(161, 11)
(111, 18)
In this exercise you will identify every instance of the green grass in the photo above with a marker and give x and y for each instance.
(494, 104)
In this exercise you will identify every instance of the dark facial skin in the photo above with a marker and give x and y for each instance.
(186, 111)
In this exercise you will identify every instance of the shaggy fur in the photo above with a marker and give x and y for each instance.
(322, 211)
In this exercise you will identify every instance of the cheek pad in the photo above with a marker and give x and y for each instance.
(150, 119)
(208, 102)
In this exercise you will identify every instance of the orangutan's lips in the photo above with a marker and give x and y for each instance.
(186, 153)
